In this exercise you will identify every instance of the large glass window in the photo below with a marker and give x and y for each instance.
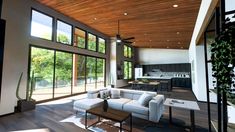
(100, 72)
(127, 51)
(64, 33)
(127, 70)
(79, 73)
(42, 64)
(91, 42)
(79, 38)
(101, 46)
(41, 25)
(59, 74)
(91, 73)
(63, 74)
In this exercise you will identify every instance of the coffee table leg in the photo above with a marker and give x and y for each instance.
(192, 120)
(120, 126)
(86, 120)
(131, 122)
(170, 115)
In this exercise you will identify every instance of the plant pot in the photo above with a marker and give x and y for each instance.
(24, 105)
(105, 105)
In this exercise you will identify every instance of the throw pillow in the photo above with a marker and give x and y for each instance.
(144, 99)
(115, 94)
(92, 95)
(104, 93)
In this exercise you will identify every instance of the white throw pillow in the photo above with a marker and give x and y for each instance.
(115, 94)
(144, 99)
(92, 95)
(104, 92)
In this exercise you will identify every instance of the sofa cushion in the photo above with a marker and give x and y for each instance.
(144, 99)
(86, 104)
(135, 107)
(118, 103)
(115, 93)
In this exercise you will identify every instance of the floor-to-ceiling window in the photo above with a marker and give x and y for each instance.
(91, 73)
(42, 64)
(100, 72)
(63, 74)
(79, 74)
(64, 69)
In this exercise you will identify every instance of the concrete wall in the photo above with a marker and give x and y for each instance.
(17, 14)
(196, 52)
(162, 56)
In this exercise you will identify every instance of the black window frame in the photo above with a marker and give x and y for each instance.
(76, 27)
(72, 31)
(53, 24)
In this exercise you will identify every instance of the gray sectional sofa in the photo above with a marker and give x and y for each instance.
(129, 101)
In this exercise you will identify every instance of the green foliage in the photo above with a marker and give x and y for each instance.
(81, 42)
(63, 39)
(101, 47)
(223, 56)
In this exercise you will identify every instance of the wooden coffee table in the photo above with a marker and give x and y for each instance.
(111, 114)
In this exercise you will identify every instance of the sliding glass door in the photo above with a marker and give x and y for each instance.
(79, 73)
(63, 74)
(100, 72)
(59, 74)
(42, 64)
(91, 73)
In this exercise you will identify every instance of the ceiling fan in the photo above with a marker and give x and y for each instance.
(123, 40)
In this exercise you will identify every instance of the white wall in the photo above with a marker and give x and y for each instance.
(162, 56)
(196, 52)
(17, 40)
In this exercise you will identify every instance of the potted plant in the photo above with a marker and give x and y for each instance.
(223, 62)
(28, 103)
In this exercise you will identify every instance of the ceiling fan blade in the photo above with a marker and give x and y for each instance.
(129, 38)
(128, 42)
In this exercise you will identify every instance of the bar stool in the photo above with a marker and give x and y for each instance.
(164, 85)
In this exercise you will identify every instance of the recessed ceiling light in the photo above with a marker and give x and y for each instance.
(175, 6)
(178, 42)
(167, 40)
(177, 32)
(95, 18)
(150, 40)
(167, 47)
(125, 14)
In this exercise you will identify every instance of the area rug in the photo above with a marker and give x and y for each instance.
(103, 126)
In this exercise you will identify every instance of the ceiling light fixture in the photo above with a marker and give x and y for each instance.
(95, 18)
(167, 40)
(125, 14)
(177, 32)
(178, 42)
(175, 6)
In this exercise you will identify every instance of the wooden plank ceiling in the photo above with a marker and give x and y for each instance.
(153, 23)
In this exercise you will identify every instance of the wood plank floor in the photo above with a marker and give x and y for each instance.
(46, 117)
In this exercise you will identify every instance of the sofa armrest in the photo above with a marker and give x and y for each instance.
(156, 108)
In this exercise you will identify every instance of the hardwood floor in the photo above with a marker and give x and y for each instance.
(47, 116)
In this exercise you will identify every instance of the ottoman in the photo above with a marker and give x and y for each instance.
(85, 104)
